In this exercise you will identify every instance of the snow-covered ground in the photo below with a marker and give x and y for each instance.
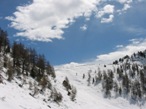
(88, 96)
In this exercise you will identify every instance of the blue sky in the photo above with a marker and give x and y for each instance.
(77, 30)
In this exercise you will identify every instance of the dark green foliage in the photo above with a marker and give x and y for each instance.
(29, 61)
(83, 76)
(73, 93)
(50, 70)
(33, 73)
(115, 62)
(89, 78)
(107, 83)
(10, 72)
(128, 79)
(115, 86)
(120, 91)
(93, 80)
(5, 61)
(121, 60)
(41, 63)
(98, 77)
(66, 84)
(104, 75)
(110, 74)
(4, 42)
(1, 79)
(140, 53)
(120, 73)
(126, 57)
(44, 82)
(21, 63)
(126, 84)
(136, 90)
(56, 96)
(131, 73)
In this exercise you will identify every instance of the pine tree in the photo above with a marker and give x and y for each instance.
(126, 84)
(89, 78)
(73, 93)
(50, 70)
(120, 91)
(44, 82)
(83, 76)
(66, 84)
(56, 96)
(4, 42)
(10, 71)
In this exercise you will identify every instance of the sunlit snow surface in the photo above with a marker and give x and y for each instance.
(88, 97)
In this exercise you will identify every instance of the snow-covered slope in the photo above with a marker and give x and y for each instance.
(14, 97)
(91, 97)
(88, 96)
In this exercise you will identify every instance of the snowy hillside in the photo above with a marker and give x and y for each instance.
(88, 96)
(91, 96)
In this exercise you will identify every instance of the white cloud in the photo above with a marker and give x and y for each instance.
(83, 28)
(107, 20)
(45, 20)
(119, 46)
(122, 1)
(126, 7)
(136, 45)
(125, 1)
(136, 41)
(107, 9)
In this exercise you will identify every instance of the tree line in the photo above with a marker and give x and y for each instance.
(24, 60)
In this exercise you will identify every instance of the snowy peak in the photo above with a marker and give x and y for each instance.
(139, 58)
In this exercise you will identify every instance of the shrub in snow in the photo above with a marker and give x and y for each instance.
(98, 77)
(5, 61)
(43, 82)
(1, 79)
(30, 85)
(89, 78)
(66, 84)
(50, 70)
(83, 76)
(56, 96)
(10, 72)
(35, 91)
(73, 93)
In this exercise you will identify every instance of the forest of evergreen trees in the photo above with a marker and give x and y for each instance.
(127, 78)
(24, 59)
(22, 62)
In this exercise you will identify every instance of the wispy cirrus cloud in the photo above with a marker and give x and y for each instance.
(44, 20)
